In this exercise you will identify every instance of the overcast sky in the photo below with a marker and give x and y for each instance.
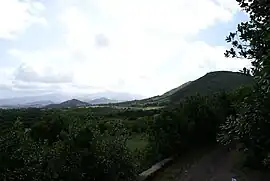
(139, 46)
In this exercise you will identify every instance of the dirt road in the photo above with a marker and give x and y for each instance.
(216, 165)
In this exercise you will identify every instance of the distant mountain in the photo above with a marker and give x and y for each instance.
(120, 96)
(49, 98)
(58, 98)
(68, 104)
(39, 103)
(102, 100)
(208, 84)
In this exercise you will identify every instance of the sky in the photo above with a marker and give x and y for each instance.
(142, 47)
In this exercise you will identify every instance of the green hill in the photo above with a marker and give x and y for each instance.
(68, 104)
(208, 84)
(211, 83)
(171, 92)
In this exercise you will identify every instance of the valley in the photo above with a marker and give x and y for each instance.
(60, 119)
(136, 125)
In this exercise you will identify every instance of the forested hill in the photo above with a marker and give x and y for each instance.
(208, 84)
(210, 135)
(211, 83)
(67, 104)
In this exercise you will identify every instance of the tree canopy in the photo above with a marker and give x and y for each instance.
(252, 124)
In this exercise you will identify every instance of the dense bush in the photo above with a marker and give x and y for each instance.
(80, 152)
(250, 127)
(191, 124)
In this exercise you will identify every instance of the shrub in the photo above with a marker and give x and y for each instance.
(191, 124)
(80, 153)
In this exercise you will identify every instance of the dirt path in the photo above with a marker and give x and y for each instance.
(216, 165)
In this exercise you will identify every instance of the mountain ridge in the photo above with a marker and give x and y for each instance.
(205, 85)
(213, 82)
(102, 100)
(210, 83)
(68, 104)
(57, 98)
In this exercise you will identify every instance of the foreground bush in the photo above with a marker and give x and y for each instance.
(191, 124)
(250, 128)
(80, 153)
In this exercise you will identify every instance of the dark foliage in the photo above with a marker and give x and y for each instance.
(250, 127)
(74, 151)
(211, 83)
(193, 123)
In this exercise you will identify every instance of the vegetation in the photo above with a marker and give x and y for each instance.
(213, 82)
(69, 103)
(190, 124)
(250, 127)
(71, 144)
(209, 84)
(107, 143)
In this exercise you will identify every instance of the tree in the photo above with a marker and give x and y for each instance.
(245, 71)
(191, 124)
(252, 124)
(82, 153)
(252, 38)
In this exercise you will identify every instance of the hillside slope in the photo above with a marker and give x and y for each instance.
(212, 82)
(173, 91)
(208, 84)
(68, 104)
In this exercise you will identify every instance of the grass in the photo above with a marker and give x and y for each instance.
(153, 107)
(137, 145)
(137, 141)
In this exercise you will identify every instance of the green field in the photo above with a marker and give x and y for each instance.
(138, 142)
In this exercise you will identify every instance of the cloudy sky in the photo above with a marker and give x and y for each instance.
(139, 46)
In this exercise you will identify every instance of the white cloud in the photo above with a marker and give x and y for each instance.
(146, 45)
(16, 16)
(181, 17)
(47, 75)
(230, 5)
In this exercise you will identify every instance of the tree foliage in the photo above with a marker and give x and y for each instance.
(191, 124)
(251, 125)
(79, 152)
(90, 144)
